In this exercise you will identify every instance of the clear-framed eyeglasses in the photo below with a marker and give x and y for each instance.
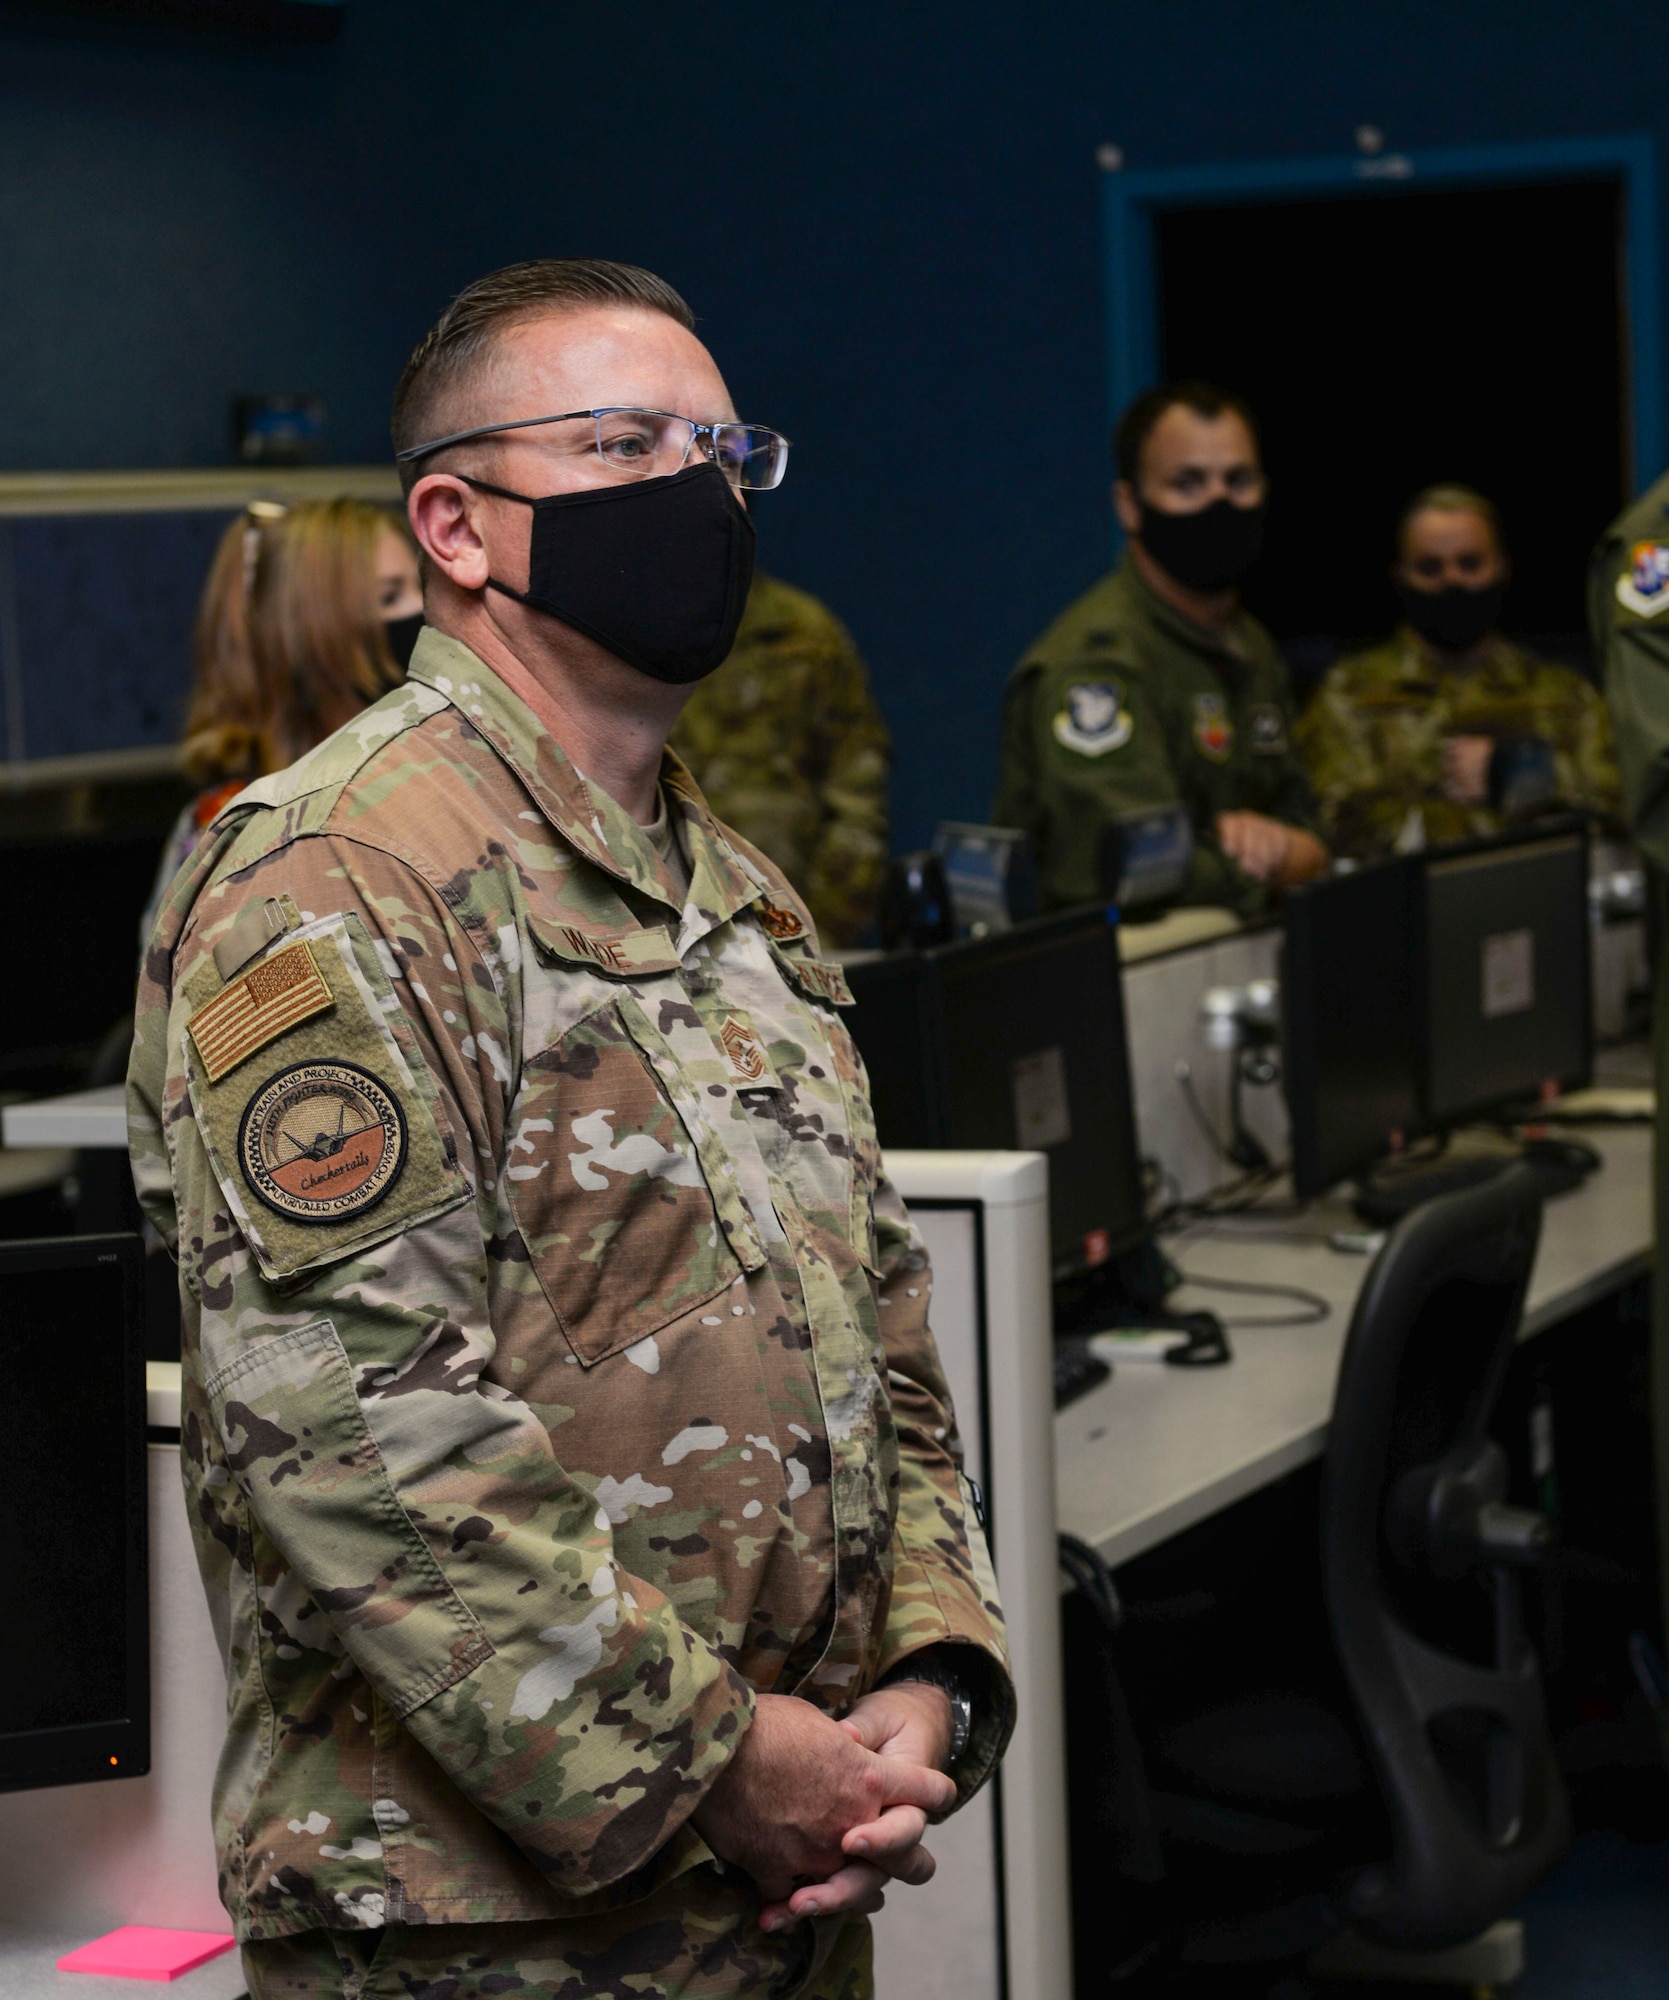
(645, 444)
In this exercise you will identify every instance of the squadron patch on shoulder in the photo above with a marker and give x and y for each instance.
(1213, 730)
(1643, 588)
(1095, 719)
(278, 993)
(322, 1141)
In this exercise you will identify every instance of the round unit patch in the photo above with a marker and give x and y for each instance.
(322, 1141)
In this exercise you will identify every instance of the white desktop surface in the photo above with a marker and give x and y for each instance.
(1157, 1449)
(83, 1118)
(30, 1972)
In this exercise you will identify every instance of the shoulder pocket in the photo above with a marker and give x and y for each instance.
(298, 1442)
(325, 1133)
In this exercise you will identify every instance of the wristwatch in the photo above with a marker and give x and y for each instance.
(928, 1667)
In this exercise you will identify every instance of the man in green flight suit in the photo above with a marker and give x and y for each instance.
(1628, 599)
(789, 748)
(1156, 687)
(1448, 731)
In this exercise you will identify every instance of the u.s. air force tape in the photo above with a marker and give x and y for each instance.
(322, 1141)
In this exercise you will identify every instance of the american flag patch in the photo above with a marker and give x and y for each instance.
(267, 999)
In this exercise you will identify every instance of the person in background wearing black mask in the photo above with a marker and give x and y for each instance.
(1157, 687)
(1447, 730)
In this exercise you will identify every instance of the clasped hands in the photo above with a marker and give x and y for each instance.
(824, 1814)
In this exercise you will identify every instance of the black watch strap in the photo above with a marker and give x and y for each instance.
(930, 1670)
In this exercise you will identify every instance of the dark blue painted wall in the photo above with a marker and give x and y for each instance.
(887, 218)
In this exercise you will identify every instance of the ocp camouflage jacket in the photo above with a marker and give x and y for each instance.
(1374, 732)
(556, 1361)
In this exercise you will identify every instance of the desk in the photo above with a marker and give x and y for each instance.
(1156, 1449)
(84, 1118)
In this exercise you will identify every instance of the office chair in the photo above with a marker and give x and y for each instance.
(1384, 1761)
(1421, 1561)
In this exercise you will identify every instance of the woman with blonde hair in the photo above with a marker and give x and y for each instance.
(309, 614)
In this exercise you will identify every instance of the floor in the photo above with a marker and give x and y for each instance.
(1598, 1928)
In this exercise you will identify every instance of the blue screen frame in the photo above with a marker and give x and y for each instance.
(1130, 202)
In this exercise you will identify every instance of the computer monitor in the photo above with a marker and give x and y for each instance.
(1016, 1041)
(79, 902)
(1508, 1002)
(1350, 1020)
(74, 1630)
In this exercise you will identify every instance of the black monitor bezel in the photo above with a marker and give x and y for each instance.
(1025, 937)
(1310, 1177)
(1543, 834)
(82, 1753)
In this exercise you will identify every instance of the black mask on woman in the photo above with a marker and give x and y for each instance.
(657, 571)
(1207, 550)
(401, 634)
(1454, 618)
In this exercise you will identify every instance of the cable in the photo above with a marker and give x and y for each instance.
(1185, 1079)
(1316, 1307)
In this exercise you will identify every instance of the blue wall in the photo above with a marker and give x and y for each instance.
(887, 219)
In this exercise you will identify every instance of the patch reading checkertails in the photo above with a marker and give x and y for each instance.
(322, 1141)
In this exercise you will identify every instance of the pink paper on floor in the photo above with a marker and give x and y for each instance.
(141, 1951)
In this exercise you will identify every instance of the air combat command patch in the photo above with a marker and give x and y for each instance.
(322, 1141)
(1643, 588)
(1213, 730)
(1095, 719)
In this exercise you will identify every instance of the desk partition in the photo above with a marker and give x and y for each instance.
(993, 1925)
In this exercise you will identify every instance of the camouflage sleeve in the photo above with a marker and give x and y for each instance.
(1633, 649)
(1362, 805)
(944, 1592)
(1588, 768)
(392, 1501)
(843, 878)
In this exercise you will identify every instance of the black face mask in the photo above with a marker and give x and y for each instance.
(1209, 550)
(1455, 618)
(401, 634)
(658, 571)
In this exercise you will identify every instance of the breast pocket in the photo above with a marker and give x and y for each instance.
(625, 1202)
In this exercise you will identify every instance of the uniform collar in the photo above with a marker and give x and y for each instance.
(1501, 663)
(586, 817)
(1226, 647)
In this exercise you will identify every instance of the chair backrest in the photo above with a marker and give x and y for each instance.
(1421, 1558)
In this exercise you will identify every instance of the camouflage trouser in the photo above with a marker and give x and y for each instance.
(623, 1959)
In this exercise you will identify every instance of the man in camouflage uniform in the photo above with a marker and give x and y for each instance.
(789, 748)
(1157, 687)
(563, 1436)
(1628, 618)
(1413, 742)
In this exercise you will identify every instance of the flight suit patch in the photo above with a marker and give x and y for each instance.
(1095, 719)
(1267, 728)
(321, 1141)
(1213, 731)
(1644, 586)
